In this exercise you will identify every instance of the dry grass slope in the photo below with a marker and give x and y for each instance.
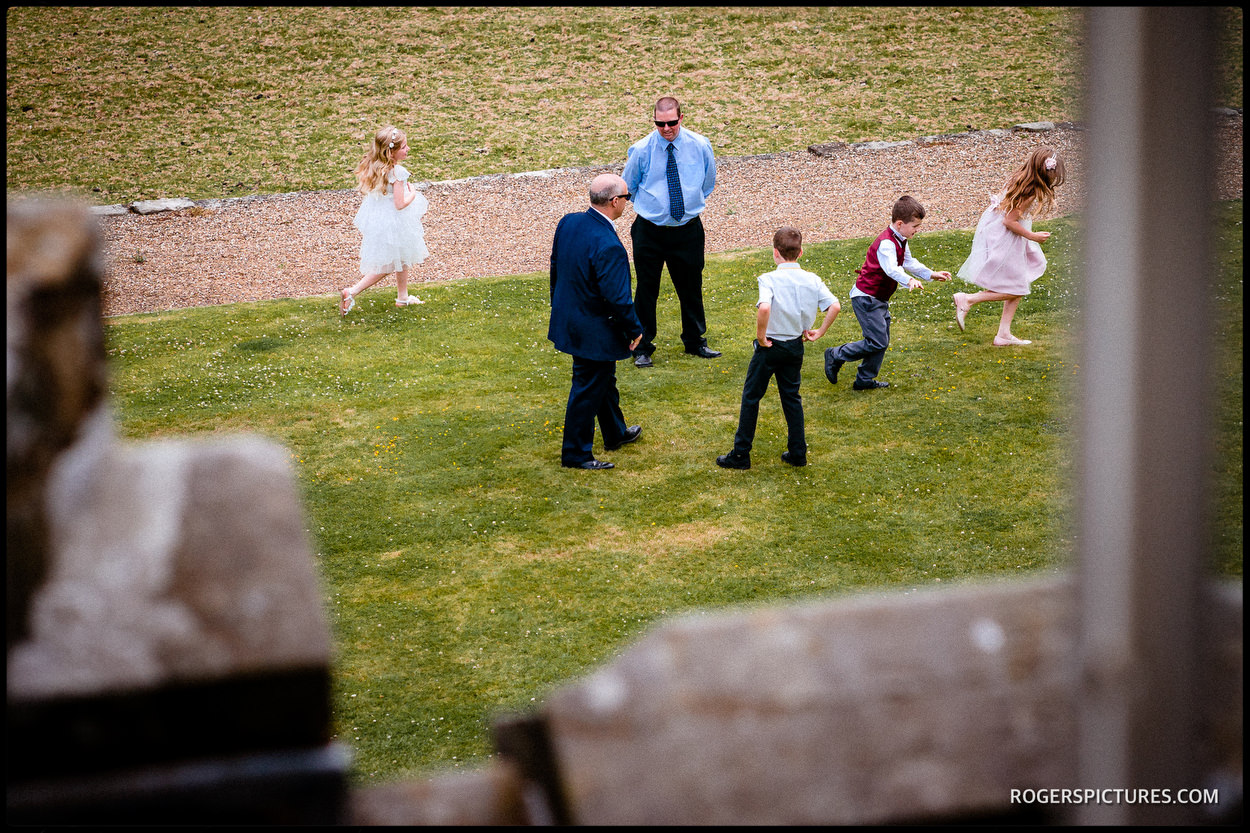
(113, 104)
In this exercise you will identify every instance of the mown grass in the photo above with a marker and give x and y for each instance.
(467, 575)
(123, 103)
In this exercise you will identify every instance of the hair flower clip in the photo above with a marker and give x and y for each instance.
(1050, 163)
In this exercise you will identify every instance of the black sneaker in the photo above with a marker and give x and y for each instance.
(729, 461)
(787, 457)
(871, 384)
(832, 366)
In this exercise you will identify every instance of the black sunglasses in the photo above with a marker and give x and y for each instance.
(672, 123)
(621, 197)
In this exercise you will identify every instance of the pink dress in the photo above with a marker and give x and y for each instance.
(1001, 260)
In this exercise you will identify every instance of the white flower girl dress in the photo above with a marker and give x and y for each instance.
(391, 239)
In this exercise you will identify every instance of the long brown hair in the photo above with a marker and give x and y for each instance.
(1034, 180)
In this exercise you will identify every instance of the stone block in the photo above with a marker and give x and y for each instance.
(109, 210)
(180, 617)
(175, 560)
(879, 145)
(853, 711)
(155, 206)
(55, 374)
(827, 149)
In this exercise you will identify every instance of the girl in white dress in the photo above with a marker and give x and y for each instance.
(389, 219)
(1006, 256)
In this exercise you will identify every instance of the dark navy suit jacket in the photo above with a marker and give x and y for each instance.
(592, 313)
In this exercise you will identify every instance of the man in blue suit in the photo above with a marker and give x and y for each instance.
(593, 320)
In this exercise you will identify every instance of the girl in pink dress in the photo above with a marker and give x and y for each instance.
(1006, 256)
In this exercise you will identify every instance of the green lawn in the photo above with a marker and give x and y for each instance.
(468, 574)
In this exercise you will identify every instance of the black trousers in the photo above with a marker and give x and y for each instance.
(592, 395)
(681, 249)
(785, 361)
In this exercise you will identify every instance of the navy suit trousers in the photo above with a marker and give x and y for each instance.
(593, 395)
(785, 361)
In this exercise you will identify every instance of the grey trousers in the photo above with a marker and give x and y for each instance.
(874, 320)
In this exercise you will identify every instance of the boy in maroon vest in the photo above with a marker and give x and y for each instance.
(884, 270)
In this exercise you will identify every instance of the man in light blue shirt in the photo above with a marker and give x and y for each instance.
(670, 174)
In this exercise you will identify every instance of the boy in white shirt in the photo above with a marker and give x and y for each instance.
(789, 300)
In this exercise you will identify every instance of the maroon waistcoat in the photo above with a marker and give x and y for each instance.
(872, 278)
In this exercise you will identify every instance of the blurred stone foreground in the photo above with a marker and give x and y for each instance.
(164, 628)
(169, 659)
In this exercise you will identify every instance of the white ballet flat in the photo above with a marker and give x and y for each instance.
(960, 312)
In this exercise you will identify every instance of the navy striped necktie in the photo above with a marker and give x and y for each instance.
(676, 204)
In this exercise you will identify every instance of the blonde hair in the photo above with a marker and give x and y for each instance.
(1036, 179)
(377, 163)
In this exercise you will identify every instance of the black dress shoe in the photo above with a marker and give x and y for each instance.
(632, 433)
(729, 461)
(589, 464)
(832, 366)
(643, 361)
(872, 384)
(704, 352)
(787, 457)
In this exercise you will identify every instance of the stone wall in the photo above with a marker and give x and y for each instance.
(889, 708)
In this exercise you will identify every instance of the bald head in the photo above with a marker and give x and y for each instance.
(606, 186)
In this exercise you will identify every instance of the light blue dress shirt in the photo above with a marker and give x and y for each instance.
(646, 175)
(794, 296)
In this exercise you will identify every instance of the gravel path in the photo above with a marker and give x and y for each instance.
(304, 244)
